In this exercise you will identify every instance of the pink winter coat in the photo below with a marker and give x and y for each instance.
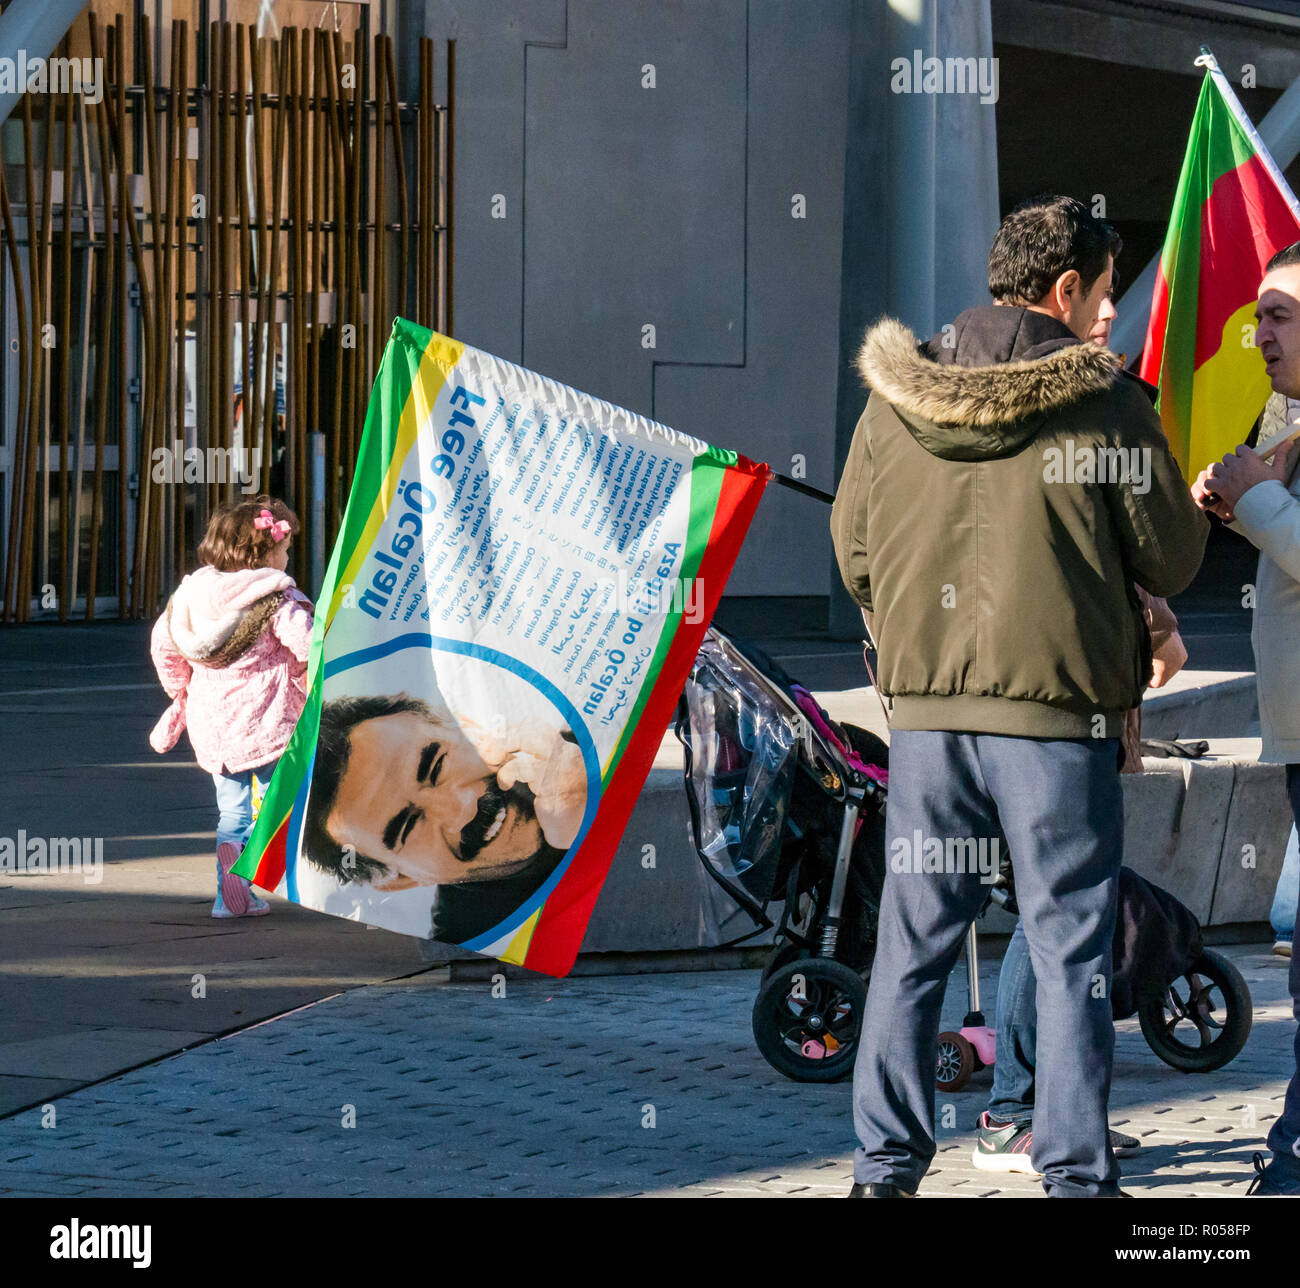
(239, 714)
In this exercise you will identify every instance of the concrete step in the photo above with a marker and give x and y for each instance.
(1211, 831)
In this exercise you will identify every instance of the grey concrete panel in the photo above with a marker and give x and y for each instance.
(1153, 804)
(865, 259)
(780, 406)
(673, 207)
(1199, 841)
(1261, 819)
(1174, 839)
(635, 197)
(489, 157)
(966, 192)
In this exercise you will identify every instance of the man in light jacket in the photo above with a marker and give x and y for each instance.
(1006, 487)
(1262, 502)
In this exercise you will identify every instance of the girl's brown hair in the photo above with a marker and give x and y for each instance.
(232, 542)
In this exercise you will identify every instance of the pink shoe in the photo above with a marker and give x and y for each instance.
(234, 890)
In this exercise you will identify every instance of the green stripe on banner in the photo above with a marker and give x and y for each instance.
(397, 373)
(707, 473)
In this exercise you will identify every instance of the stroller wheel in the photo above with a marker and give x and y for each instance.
(807, 1018)
(1202, 1020)
(956, 1062)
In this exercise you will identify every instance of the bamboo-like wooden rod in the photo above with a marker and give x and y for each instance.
(170, 497)
(309, 74)
(337, 426)
(118, 136)
(316, 153)
(359, 364)
(343, 314)
(182, 276)
(88, 271)
(117, 129)
(63, 350)
(20, 421)
(403, 210)
(345, 310)
(258, 244)
(295, 271)
(146, 498)
(245, 236)
(27, 427)
(228, 272)
(447, 185)
(378, 278)
(103, 339)
(204, 268)
(319, 217)
(423, 187)
(38, 254)
(216, 268)
(273, 274)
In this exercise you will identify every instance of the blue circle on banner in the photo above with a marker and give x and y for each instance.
(536, 680)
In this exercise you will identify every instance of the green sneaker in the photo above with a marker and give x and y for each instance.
(1004, 1147)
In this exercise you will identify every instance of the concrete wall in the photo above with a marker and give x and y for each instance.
(714, 207)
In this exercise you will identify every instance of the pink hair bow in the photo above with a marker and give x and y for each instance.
(279, 527)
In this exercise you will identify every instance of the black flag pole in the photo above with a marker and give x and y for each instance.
(806, 488)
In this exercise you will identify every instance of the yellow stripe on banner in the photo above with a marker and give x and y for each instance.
(1229, 391)
(518, 949)
(439, 358)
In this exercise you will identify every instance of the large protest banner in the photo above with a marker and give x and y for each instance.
(520, 584)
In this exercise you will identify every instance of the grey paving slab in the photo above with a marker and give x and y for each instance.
(92, 1053)
(15, 1092)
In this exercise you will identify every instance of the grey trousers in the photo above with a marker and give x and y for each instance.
(1059, 804)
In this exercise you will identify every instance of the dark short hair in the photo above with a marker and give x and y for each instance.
(333, 748)
(1285, 258)
(1043, 238)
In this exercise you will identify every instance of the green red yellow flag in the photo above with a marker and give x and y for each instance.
(1233, 210)
(520, 585)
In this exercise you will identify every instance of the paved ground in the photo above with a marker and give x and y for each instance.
(593, 1085)
(96, 978)
(598, 1086)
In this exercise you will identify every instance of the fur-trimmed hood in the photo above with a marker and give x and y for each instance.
(214, 613)
(983, 386)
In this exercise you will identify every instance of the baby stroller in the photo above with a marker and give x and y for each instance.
(787, 807)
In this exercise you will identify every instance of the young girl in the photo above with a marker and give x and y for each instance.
(231, 652)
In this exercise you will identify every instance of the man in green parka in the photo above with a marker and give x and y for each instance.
(1006, 487)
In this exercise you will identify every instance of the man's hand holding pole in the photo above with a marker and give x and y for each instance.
(1222, 485)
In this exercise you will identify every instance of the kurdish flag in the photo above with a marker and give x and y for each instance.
(1232, 212)
(520, 584)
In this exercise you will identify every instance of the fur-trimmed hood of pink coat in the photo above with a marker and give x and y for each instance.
(231, 652)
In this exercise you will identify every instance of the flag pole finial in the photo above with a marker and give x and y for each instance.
(1211, 65)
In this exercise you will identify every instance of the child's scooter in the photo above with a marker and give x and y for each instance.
(974, 1045)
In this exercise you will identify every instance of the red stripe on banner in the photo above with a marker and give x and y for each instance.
(563, 922)
(1245, 221)
(1153, 352)
(270, 867)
